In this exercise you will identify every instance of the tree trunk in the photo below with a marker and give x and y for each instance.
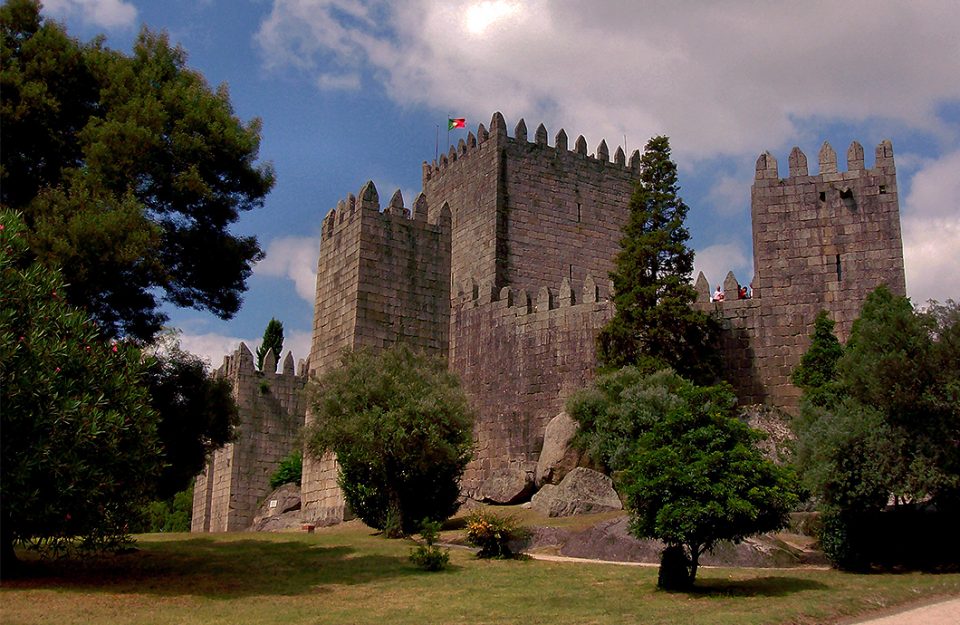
(694, 562)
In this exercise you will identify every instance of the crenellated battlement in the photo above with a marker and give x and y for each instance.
(497, 135)
(242, 362)
(767, 169)
(471, 294)
(367, 203)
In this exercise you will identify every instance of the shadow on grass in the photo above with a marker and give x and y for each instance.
(211, 568)
(757, 587)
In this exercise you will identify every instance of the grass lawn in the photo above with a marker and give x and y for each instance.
(346, 575)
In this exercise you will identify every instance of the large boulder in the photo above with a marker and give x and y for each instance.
(557, 457)
(280, 510)
(582, 491)
(506, 487)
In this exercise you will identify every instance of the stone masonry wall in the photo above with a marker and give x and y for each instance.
(820, 242)
(383, 277)
(564, 209)
(237, 476)
(519, 358)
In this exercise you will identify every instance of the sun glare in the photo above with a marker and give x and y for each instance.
(481, 15)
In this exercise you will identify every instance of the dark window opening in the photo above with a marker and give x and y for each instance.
(839, 271)
(571, 273)
(823, 196)
(578, 212)
(847, 196)
(883, 189)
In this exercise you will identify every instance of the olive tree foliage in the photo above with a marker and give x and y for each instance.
(688, 467)
(401, 429)
(80, 450)
(129, 170)
(652, 284)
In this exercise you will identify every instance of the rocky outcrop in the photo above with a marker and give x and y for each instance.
(582, 491)
(506, 487)
(280, 510)
(558, 457)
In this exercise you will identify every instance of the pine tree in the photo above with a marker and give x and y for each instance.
(272, 339)
(651, 279)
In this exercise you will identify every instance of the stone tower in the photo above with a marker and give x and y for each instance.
(820, 242)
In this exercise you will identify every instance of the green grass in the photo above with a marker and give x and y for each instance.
(346, 575)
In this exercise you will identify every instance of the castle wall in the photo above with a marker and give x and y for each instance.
(383, 277)
(237, 476)
(821, 242)
(519, 358)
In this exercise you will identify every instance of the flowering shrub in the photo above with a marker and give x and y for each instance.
(492, 533)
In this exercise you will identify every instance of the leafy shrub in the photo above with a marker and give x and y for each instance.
(289, 471)
(428, 556)
(492, 533)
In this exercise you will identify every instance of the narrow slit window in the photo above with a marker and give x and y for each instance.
(571, 273)
(578, 212)
(839, 270)
(823, 196)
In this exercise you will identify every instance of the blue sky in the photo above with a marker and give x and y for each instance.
(353, 90)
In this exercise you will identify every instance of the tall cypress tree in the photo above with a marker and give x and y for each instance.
(653, 291)
(272, 339)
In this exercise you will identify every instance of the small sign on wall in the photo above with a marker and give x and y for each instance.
(273, 503)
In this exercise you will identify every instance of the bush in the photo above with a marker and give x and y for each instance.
(428, 556)
(492, 533)
(290, 470)
(402, 430)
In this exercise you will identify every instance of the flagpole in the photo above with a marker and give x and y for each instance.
(436, 146)
(448, 135)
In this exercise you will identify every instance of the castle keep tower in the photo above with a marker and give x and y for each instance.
(820, 242)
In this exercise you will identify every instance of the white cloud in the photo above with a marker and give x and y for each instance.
(107, 14)
(294, 258)
(720, 78)
(931, 231)
(715, 261)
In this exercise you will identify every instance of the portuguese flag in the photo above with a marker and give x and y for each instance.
(458, 122)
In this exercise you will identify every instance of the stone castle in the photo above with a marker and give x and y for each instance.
(501, 266)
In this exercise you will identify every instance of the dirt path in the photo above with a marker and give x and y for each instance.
(940, 613)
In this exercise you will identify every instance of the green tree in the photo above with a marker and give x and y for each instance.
(196, 414)
(272, 339)
(696, 477)
(80, 452)
(818, 367)
(894, 416)
(888, 425)
(129, 171)
(652, 280)
(401, 428)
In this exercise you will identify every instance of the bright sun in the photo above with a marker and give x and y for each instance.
(482, 14)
